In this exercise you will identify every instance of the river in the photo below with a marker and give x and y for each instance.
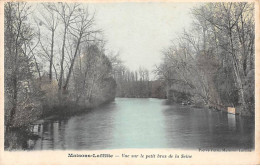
(145, 123)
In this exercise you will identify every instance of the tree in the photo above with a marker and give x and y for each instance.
(233, 26)
(93, 80)
(80, 30)
(67, 15)
(48, 19)
(214, 63)
(21, 93)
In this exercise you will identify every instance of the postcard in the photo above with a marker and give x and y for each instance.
(129, 82)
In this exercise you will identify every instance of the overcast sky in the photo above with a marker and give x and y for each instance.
(139, 31)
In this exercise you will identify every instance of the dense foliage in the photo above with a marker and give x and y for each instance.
(54, 59)
(213, 64)
(135, 84)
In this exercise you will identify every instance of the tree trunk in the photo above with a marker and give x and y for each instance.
(72, 64)
(238, 77)
(51, 56)
(62, 58)
(14, 76)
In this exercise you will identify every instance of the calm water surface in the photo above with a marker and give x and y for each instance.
(145, 123)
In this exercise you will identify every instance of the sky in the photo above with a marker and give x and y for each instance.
(140, 31)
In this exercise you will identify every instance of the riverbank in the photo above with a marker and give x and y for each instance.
(70, 109)
(238, 110)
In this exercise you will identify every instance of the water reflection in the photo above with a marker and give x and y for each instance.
(86, 131)
(204, 128)
(145, 123)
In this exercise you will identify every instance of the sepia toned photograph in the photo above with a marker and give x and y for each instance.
(93, 76)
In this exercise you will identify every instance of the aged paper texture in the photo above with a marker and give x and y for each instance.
(109, 135)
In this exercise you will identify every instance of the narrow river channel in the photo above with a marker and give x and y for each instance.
(145, 123)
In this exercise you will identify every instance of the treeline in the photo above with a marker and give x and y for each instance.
(213, 63)
(135, 84)
(55, 61)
